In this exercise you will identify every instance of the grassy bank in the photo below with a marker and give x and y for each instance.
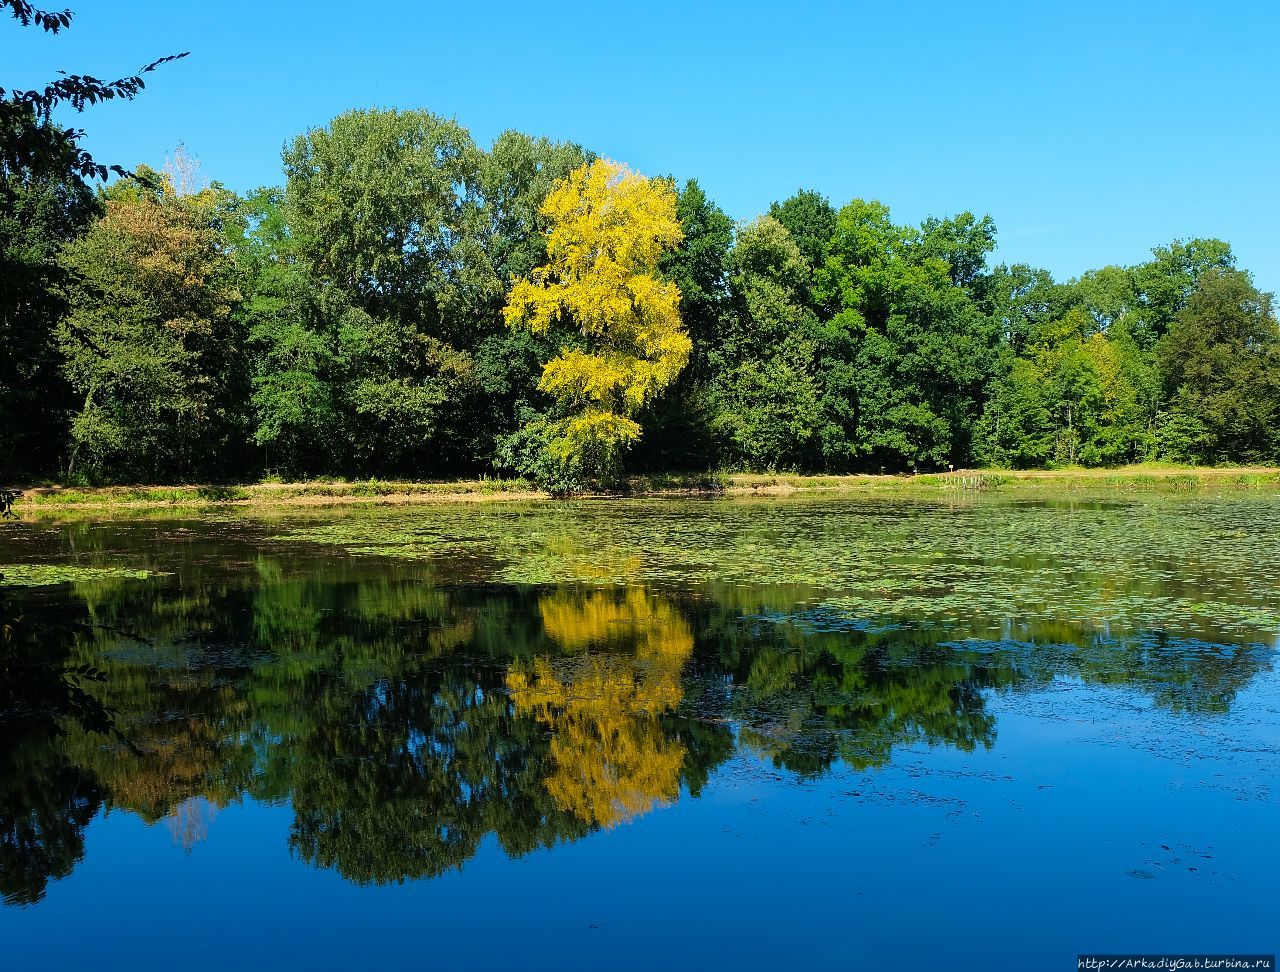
(275, 494)
(1161, 478)
(336, 492)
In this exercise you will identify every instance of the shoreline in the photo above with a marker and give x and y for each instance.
(1162, 479)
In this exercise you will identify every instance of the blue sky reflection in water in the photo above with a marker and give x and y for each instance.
(346, 757)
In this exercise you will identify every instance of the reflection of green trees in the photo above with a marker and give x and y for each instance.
(806, 699)
(45, 804)
(861, 708)
(405, 721)
(403, 777)
(45, 801)
(807, 694)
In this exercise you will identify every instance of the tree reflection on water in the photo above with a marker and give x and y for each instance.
(405, 720)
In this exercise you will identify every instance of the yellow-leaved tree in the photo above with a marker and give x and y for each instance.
(608, 228)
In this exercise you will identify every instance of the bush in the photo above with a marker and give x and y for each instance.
(542, 451)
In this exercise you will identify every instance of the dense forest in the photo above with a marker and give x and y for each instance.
(411, 304)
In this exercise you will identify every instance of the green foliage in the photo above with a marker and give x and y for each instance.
(377, 284)
(514, 178)
(39, 212)
(1220, 363)
(351, 322)
(1091, 378)
(382, 204)
(290, 322)
(908, 353)
(678, 433)
(545, 450)
(1019, 300)
(698, 266)
(962, 243)
(150, 343)
(1078, 399)
(765, 393)
(811, 220)
(1016, 428)
(1165, 284)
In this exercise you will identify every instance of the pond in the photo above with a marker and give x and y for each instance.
(853, 733)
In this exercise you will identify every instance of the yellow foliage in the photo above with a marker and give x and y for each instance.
(594, 425)
(611, 758)
(609, 228)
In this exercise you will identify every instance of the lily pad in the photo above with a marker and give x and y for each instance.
(44, 575)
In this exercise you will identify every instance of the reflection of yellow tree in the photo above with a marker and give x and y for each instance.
(612, 760)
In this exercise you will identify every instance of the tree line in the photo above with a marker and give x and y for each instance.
(409, 303)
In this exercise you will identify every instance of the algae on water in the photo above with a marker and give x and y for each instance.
(43, 575)
(1147, 563)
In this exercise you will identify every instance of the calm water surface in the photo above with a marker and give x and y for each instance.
(642, 734)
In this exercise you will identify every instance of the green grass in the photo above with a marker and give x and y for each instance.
(1154, 477)
(266, 493)
(1160, 477)
(168, 495)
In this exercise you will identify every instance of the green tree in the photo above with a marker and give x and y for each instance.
(811, 220)
(383, 212)
(962, 243)
(1164, 284)
(291, 322)
(513, 179)
(150, 341)
(383, 205)
(1077, 398)
(1220, 362)
(39, 213)
(1016, 430)
(908, 354)
(678, 424)
(43, 203)
(699, 267)
(765, 395)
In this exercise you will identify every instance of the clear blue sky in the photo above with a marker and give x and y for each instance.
(1089, 131)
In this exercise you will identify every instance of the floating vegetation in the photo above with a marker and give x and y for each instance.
(1194, 564)
(43, 575)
